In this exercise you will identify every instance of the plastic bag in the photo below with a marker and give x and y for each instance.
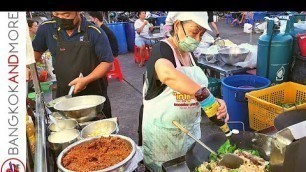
(301, 25)
(208, 38)
(133, 164)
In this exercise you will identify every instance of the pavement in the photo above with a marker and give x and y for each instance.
(126, 96)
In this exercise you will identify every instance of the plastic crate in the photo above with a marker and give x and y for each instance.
(214, 86)
(263, 106)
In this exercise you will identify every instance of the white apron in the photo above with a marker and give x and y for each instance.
(162, 141)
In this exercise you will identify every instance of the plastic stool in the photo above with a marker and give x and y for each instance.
(115, 72)
(229, 18)
(137, 53)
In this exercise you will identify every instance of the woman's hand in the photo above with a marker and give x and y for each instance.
(222, 111)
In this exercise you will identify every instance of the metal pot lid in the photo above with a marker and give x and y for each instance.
(289, 118)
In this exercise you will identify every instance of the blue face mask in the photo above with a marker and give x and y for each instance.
(189, 44)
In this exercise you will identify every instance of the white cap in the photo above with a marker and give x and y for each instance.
(201, 18)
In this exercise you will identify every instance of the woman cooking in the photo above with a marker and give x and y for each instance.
(172, 83)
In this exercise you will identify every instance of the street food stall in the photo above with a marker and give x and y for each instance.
(72, 133)
(67, 127)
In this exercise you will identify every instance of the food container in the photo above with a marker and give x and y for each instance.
(119, 167)
(264, 105)
(64, 124)
(99, 128)
(62, 139)
(232, 55)
(51, 104)
(81, 108)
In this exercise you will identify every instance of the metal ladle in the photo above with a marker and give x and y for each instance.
(55, 122)
(72, 88)
(229, 160)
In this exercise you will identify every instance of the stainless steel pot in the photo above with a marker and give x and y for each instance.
(64, 124)
(115, 168)
(62, 139)
(232, 55)
(51, 104)
(99, 128)
(81, 108)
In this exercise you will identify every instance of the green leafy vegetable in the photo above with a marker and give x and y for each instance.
(289, 105)
(227, 147)
(267, 168)
(223, 149)
(253, 152)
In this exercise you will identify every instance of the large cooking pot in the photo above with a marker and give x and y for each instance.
(196, 155)
(81, 108)
(115, 168)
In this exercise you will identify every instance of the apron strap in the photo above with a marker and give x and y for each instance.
(177, 61)
(192, 60)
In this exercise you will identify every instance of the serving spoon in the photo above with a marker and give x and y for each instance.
(228, 160)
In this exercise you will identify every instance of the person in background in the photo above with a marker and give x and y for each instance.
(33, 26)
(170, 91)
(212, 23)
(97, 18)
(77, 46)
(239, 18)
(142, 27)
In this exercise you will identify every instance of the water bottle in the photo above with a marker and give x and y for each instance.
(210, 106)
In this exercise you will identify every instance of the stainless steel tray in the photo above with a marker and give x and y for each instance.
(176, 165)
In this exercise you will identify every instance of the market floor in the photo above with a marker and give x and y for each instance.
(126, 96)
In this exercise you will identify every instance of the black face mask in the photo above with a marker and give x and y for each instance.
(65, 24)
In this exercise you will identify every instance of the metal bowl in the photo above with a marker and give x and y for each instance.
(232, 55)
(51, 104)
(115, 168)
(64, 124)
(81, 108)
(62, 139)
(99, 128)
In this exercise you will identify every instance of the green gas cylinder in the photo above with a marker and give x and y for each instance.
(274, 53)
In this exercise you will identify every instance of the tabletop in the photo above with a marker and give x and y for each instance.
(221, 67)
(154, 36)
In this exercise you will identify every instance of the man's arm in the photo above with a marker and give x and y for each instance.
(98, 72)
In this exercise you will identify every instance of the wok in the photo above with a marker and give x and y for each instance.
(81, 108)
(289, 118)
(196, 155)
